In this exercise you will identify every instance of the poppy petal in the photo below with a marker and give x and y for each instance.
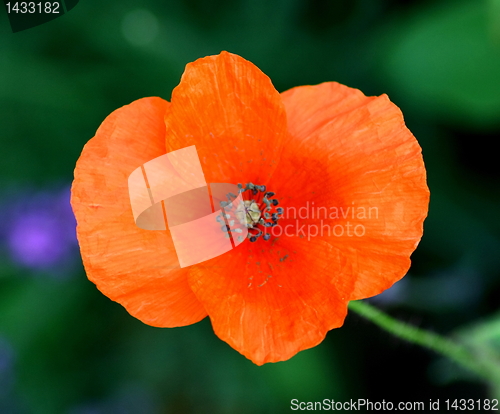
(270, 301)
(353, 156)
(231, 111)
(135, 267)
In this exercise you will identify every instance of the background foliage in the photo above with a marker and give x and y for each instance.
(65, 348)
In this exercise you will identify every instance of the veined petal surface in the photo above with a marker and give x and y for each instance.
(135, 267)
(353, 165)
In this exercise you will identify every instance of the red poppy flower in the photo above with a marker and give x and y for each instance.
(345, 185)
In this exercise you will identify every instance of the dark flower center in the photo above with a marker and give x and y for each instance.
(259, 212)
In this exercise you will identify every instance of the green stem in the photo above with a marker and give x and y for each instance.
(444, 346)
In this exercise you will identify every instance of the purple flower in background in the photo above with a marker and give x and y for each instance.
(40, 230)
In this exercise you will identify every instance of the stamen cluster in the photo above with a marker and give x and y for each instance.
(260, 211)
(257, 214)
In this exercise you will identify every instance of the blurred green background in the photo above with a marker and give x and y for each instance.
(66, 348)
